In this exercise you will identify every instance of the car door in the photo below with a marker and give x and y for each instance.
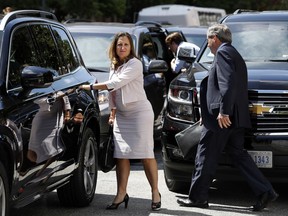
(34, 173)
(40, 109)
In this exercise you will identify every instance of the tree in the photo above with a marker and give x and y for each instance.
(127, 10)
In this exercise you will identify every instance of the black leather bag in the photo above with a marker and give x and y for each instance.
(188, 138)
(106, 157)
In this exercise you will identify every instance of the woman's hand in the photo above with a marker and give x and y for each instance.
(111, 121)
(112, 116)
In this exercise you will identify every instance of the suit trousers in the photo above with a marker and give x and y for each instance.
(209, 150)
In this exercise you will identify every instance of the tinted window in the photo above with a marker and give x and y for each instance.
(69, 58)
(22, 53)
(47, 46)
(149, 51)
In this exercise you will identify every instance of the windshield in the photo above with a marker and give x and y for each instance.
(94, 48)
(257, 41)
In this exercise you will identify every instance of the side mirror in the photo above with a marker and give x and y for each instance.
(187, 54)
(37, 77)
(157, 66)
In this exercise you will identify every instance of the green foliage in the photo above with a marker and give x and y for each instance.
(126, 10)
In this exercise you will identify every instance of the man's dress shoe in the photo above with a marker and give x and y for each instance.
(264, 199)
(190, 203)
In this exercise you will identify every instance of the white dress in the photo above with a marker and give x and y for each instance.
(133, 125)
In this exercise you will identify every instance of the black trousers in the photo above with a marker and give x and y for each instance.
(209, 150)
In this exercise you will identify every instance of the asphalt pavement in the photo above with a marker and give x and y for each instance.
(227, 198)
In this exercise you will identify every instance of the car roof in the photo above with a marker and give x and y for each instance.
(27, 15)
(95, 27)
(254, 16)
(113, 27)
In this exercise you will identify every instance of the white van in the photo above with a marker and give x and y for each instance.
(183, 15)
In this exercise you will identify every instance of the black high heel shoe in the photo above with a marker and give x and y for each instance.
(114, 206)
(155, 206)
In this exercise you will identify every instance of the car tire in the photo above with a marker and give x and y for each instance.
(79, 192)
(4, 192)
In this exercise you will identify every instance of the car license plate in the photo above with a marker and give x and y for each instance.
(263, 159)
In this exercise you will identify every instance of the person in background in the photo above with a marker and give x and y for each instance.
(148, 55)
(132, 118)
(174, 42)
(7, 10)
(225, 115)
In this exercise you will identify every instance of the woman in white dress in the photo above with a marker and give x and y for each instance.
(132, 118)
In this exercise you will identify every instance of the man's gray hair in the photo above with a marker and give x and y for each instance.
(221, 31)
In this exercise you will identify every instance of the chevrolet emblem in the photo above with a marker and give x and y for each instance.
(260, 109)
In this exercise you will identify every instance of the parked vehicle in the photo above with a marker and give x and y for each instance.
(261, 38)
(195, 34)
(186, 15)
(93, 40)
(39, 59)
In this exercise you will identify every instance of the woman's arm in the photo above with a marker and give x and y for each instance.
(101, 86)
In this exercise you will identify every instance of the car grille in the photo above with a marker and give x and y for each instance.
(269, 112)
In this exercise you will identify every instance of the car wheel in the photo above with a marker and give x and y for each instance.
(81, 188)
(4, 192)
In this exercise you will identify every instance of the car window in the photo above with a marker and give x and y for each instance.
(196, 39)
(22, 53)
(45, 43)
(69, 58)
(148, 50)
(161, 47)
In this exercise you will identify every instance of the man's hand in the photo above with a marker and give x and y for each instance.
(172, 63)
(223, 121)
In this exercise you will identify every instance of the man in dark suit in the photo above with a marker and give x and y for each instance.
(225, 115)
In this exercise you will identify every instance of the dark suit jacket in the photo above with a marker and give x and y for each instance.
(225, 89)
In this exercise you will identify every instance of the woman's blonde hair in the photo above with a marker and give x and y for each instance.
(115, 60)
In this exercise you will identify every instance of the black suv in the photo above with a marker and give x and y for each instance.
(93, 40)
(261, 38)
(38, 59)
